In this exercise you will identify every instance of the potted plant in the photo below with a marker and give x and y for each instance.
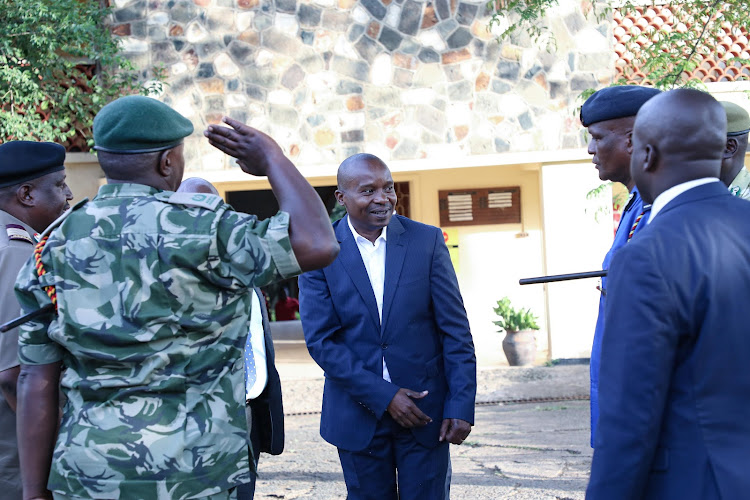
(519, 344)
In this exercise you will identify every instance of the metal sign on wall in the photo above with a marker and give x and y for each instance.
(473, 207)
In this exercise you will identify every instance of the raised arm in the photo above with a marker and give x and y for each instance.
(310, 231)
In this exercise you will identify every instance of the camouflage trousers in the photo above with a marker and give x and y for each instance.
(224, 495)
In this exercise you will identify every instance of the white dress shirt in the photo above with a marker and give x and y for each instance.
(670, 194)
(373, 257)
(255, 352)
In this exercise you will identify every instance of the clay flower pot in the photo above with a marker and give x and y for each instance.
(519, 326)
(520, 347)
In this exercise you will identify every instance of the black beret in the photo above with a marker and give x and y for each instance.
(22, 161)
(138, 124)
(615, 102)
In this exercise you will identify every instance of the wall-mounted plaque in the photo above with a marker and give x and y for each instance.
(472, 207)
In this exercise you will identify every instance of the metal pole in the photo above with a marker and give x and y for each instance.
(49, 308)
(562, 277)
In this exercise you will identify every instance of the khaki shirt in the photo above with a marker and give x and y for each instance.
(17, 242)
(16, 246)
(740, 186)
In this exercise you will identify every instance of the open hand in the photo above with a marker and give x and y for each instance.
(405, 412)
(454, 430)
(253, 149)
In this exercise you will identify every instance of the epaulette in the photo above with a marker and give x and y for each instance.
(16, 232)
(60, 219)
(209, 201)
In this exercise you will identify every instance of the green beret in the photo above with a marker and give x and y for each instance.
(137, 124)
(22, 161)
(738, 121)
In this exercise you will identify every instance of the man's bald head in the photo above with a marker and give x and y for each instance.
(197, 185)
(366, 189)
(349, 169)
(678, 136)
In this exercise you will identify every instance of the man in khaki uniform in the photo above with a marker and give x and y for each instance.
(33, 193)
(733, 171)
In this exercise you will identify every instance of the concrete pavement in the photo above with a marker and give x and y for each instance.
(520, 451)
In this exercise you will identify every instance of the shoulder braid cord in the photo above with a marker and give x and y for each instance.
(51, 291)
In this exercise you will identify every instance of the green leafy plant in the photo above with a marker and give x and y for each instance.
(512, 319)
(598, 193)
(338, 212)
(524, 16)
(59, 64)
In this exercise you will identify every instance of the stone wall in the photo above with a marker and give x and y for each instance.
(402, 79)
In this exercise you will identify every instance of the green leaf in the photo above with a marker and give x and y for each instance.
(512, 319)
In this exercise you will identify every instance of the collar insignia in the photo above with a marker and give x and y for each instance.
(18, 232)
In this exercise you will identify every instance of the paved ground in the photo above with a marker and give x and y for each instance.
(519, 451)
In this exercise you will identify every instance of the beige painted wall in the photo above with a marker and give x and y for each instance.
(84, 175)
(492, 258)
(576, 240)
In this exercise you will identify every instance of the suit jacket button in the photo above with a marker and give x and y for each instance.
(384, 346)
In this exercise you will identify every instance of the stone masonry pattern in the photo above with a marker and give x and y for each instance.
(402, 79)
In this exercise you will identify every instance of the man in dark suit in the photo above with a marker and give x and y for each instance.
(265, 409)
(386, 323)
(608, 115)
(675, 411)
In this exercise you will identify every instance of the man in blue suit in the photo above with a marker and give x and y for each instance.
(608, 116)
(674, 381)
(386, 323)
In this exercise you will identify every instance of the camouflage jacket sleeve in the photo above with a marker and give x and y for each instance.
(34, 344)
(251, 252)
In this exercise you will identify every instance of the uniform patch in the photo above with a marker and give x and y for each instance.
(209, 201)
(18, 232)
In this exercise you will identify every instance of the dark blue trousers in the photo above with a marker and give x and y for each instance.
(394, 466)
(247, 491)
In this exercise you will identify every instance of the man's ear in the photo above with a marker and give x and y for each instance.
(731, 147)
(650, 158)
(25, 195)
(629, 141)
(166, 161)
(339, 196)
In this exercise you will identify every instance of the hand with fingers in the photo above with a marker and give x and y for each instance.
(454, 430)
(405, 412)
(310, 231)
(253, 149)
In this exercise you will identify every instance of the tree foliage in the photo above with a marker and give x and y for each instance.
(693, 30)
(59, 64)
(525, 15)
(664, 56)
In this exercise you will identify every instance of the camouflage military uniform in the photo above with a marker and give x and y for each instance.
(153, 292)
(740, 186)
